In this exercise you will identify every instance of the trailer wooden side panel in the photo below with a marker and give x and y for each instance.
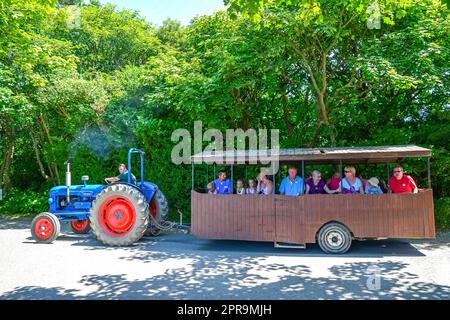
(289, 219)
(297, 219)
(409, 216)
(233, 217)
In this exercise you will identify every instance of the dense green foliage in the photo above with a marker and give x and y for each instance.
(85, 82)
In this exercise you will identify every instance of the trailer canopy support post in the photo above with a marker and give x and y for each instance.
(274, 178)
(303, 177)
(388, 173)
(192, 175)
(232, 184)
(303, 170)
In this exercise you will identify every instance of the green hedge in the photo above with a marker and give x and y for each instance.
(24, 202)
(442, 213)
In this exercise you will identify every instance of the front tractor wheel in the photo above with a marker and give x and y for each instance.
(80, 226)
(119, 215)
(45, 227)
(334, 238)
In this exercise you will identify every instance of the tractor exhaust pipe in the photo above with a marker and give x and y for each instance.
(68, 181)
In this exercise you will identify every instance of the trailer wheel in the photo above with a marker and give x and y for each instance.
(119, 215)
(334, 238)
(80, 226)
(45, 227)
(159, 209)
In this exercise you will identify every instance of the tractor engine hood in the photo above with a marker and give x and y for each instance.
(78, 190)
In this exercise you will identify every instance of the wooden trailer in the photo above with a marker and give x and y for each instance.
(332, 220)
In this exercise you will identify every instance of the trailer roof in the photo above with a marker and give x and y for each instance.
(380, 154)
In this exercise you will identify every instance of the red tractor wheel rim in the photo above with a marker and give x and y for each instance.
(153, 208)
(117, 216)
(80, 225)
(44, 228)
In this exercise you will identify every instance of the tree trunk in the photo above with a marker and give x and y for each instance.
(285, 102)
(318, 78)
(323, 116)
(38, 158)
(7, 169)
(52, 165)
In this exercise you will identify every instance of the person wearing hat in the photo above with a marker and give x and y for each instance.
(372, 186)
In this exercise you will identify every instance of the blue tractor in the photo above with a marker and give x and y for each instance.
(119, 213)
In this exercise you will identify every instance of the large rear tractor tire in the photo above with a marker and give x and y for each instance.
(334, 238)
(45, 227)
(119, 215)
(159, 209)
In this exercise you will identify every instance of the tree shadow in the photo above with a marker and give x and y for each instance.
(245, 278)
(8, 223)
(222, 269)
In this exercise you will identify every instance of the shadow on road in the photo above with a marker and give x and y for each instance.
(245, 278)
(15, 223)
(178, 241)
(218, 269)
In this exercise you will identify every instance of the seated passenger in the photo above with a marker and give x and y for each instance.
(372, 186)
(222, 185)
(211, 188)
(402, 183)
(384, 187)
(264, 186)
(292, 185)
(316, 185)
(351, 184)
(251, 187)
(240, 187)
(334, 183)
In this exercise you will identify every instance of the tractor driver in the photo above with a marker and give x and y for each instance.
(122, 177)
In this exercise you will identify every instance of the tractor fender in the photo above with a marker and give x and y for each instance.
(148, 189)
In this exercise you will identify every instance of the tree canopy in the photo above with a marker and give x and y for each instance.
(86, 81)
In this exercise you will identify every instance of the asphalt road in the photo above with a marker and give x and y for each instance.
(180, 266)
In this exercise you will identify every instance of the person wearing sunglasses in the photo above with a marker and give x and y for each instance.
(351, 184)
(402, 183)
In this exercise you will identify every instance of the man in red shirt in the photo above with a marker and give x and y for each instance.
(402, 183)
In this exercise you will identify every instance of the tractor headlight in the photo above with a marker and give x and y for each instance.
(50, 200)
